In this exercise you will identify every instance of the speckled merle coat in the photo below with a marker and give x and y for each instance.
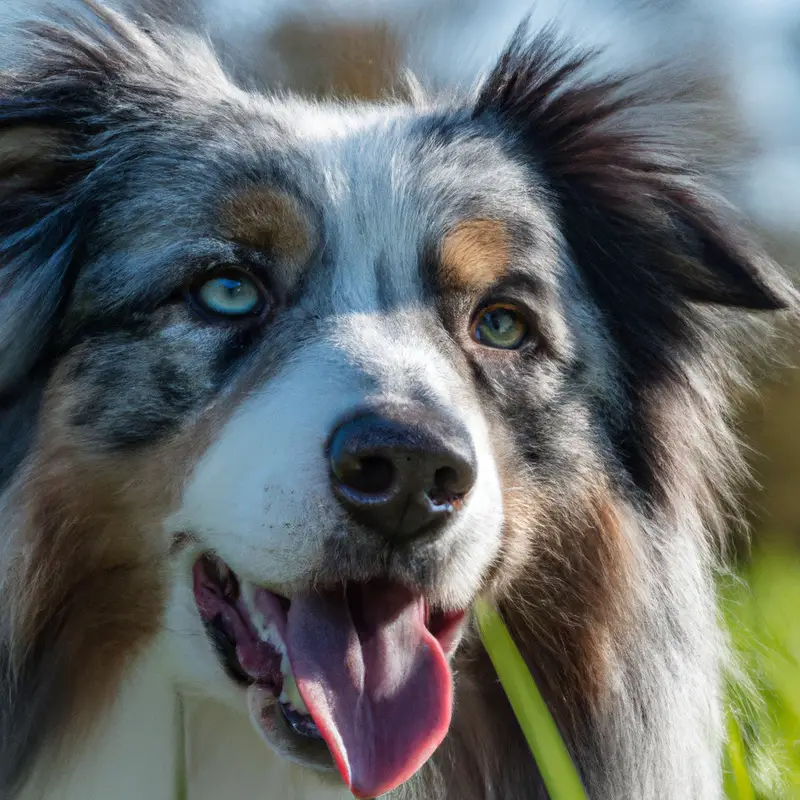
(139, 432)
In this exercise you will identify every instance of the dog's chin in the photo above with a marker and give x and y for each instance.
(292, 735)
(353, 680)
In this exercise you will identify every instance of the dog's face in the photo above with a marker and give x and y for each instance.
(337, 320)
(313, 379)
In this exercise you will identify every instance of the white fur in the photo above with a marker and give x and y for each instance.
(244, 765)
(132, 754)
(260, 496)
(153, 739)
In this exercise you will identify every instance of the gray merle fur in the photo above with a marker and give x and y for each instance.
(143, 140)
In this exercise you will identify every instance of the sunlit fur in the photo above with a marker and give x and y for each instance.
(137, 435)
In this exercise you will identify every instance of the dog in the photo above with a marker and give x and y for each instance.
(288, 384)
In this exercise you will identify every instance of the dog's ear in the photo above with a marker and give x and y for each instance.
(39, 228)
(622, 177)
(73, 88)
(51, 117)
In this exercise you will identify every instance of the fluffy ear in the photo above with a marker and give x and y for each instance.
(39, 229)
(609, 152)
(49, 112)
(73, 92)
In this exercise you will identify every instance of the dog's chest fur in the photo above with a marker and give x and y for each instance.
(245, 762)
(136, 754)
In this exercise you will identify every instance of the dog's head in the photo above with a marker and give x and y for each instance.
(296, 383)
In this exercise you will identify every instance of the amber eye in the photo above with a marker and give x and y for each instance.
(231, 294)
(500, 326)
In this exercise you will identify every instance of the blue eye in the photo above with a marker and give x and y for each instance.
(231, 294)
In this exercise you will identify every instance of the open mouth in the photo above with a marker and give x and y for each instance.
(359, 672)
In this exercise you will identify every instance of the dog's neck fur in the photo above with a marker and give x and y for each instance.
(153, 739)
(132, 754)
(153, 736)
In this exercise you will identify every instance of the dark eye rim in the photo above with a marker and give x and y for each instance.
(191, 294)
(508, 305)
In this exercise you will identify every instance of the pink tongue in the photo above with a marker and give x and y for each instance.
(375, 681)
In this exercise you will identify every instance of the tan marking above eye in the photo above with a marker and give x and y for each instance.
(474, 254)
(270, 220)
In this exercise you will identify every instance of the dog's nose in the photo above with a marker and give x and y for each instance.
(401, 474)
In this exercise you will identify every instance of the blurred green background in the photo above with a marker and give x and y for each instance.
(761, 599)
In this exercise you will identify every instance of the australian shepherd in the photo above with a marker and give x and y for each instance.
(287, 385)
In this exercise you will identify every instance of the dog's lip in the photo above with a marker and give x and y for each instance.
(265, 697)
(272, 723)
(253, 656)
(446, 624)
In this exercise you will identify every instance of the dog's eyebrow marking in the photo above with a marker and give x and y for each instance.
(474, 254)
(270, 220)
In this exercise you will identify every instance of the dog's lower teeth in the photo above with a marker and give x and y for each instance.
(290, 694)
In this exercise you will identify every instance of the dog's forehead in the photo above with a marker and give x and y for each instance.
(365, 202)
(382, 191)
(413, 172)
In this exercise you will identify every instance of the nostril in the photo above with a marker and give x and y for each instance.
(446, 489)
(372, 475)
(445, 479)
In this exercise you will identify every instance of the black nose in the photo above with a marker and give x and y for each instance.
(401, 474)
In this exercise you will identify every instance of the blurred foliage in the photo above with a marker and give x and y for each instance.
(771, 428)
(762, 605)
(762, 610)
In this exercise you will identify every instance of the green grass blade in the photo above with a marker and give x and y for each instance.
(555, 765)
